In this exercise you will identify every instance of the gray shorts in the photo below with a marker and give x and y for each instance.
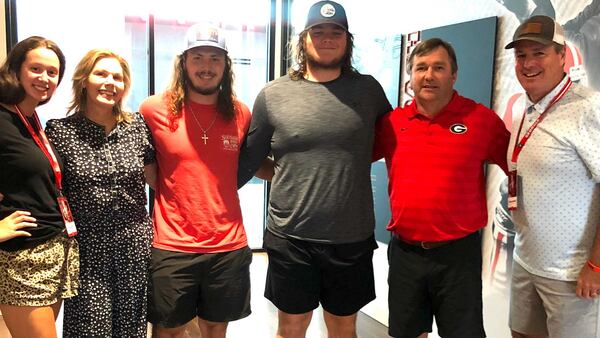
(548, 307)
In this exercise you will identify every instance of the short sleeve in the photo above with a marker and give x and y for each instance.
(499, 140)
(258, 141)
(51, 130)
(381, 100)
(148, 150)
(588, 136)
(381, 140)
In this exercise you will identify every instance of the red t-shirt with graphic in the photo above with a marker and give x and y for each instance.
(196, 209)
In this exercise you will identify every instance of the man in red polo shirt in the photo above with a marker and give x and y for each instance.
(436, 149)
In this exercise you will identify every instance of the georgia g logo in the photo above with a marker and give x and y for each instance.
(458, 128)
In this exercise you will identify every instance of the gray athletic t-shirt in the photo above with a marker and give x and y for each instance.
(321, 137)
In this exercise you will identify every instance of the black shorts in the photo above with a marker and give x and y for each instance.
(444, 282)
(303, 274)
(214, 287)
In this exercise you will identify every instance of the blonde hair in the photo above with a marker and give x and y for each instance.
(81, 75)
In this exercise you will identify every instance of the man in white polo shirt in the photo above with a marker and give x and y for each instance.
(554, 158)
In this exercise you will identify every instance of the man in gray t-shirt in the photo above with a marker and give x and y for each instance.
(318, 123)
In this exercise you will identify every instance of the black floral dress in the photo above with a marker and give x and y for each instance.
(104, 183)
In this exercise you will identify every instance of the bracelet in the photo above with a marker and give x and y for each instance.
(593, 266)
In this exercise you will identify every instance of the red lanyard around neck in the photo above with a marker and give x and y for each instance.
(519, 146)
(42, 142)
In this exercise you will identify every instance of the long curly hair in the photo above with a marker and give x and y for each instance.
(11, 90)
(177, 89)
(81, 75)
(298, 54)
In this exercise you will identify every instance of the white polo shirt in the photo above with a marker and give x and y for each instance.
(559, 194)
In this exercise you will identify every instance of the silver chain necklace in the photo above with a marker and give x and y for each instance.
(204, 131)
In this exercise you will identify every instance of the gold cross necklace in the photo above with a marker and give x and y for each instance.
(204, 131)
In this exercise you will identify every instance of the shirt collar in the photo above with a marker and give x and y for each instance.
(542, 104)
(97, 127)
(452, 106)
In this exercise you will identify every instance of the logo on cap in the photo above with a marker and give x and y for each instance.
(209, 34)
(327, 10)
(205, 35)
(532, 28)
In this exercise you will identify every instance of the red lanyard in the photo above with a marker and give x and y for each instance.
(42, 142)
(519, 146)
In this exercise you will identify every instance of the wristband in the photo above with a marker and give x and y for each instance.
(593, 266)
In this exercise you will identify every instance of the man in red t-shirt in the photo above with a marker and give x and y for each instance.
(200, 255)
(435, 150)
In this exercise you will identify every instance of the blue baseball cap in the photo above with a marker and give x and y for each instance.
(326, 12)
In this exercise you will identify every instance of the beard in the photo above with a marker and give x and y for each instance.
(314, 63)
(201, 90)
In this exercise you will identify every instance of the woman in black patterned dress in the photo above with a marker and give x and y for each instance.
(107, 153)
